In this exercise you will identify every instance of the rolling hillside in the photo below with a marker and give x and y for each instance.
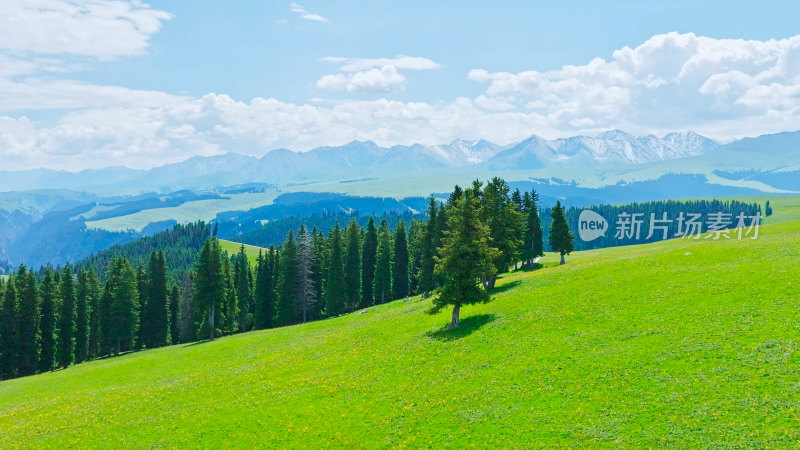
(679, 343)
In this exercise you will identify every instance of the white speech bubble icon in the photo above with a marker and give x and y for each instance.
(591, 225)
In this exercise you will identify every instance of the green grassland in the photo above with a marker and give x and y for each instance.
(233, 247)
(682, 343)
(187, 212)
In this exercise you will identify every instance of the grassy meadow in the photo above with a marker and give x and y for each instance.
(683, 343)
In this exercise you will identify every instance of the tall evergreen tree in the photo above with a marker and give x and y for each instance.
(123, 313)
(306, 290)
(400, 263)
(368, 260)
(428, 262)
(29, 317)
(265, 290)
(416, 244)
(319, 271)
(532, 243)
(174, 311)
(143, 288)
(504, 222)
(287, 282)
(155, 324)
(9, 331)
(352, 267)
(47, 323)
(466, 257)
(230, 307)
(243, 279)
(561, 238)
(383, 265)
(335, 288)
(94, 297)
(65, 353)
(208, 288)
(86, 293)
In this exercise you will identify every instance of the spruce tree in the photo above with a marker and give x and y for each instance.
(416, 243)
(368, 260)
(466, 257)
(93, 288)
(319, 271)
(265, 290)
(401, 260)
(143, 288)
(243, 280)
(155, 326)
(352, 267)
(123, 312)
(174, 311)
(208, 288)
(47, 322)
(500, 214)
(66, 320)
(86, 293)
(9, 332)
(306, 294)
(335, 289)
(287, 281)
(532, 245)
(29, 317)
(561, 239)
(429, 245)
(230, 306)
(383, 265)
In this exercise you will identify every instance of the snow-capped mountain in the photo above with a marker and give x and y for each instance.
(609, 148)
(366, 159)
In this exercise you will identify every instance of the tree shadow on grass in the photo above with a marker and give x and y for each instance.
(466, 326)
(192, 344)
(505, 287)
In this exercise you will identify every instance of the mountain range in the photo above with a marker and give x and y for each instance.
(358, 159)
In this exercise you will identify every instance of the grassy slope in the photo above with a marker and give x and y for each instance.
(233, 247)
(637, 346)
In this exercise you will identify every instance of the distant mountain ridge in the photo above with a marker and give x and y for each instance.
(356, 159)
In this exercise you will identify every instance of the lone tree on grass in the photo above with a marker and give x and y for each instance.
(561, 239)
(465, 257)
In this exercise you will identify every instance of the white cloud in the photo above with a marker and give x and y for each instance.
(371, 81)
(303, 14)
(93, 28)
(400, 62)
(371, 75)
(670, 81)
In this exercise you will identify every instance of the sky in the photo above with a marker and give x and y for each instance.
(90, 83)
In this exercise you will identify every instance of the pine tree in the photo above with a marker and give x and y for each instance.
(9, 332)
(66, 320)
(532, 244)
(504, 222)
(243, 280)
(155, 326)
(561, 239)
(143, 288)
(368, 260)
(383, 265)
(429, 246)
(123, 312)
(208, 288)
(29, 317)
(95, 338)
(401, 260)
(287, 282)
(335, 289)
(466, 257)
(86, 294)
(306, 290)
(352, 267)
(265, 290)
(174, 311)
(230, 307)
(47, 323)
(416, 244)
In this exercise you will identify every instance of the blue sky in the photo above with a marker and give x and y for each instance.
(144, 84)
